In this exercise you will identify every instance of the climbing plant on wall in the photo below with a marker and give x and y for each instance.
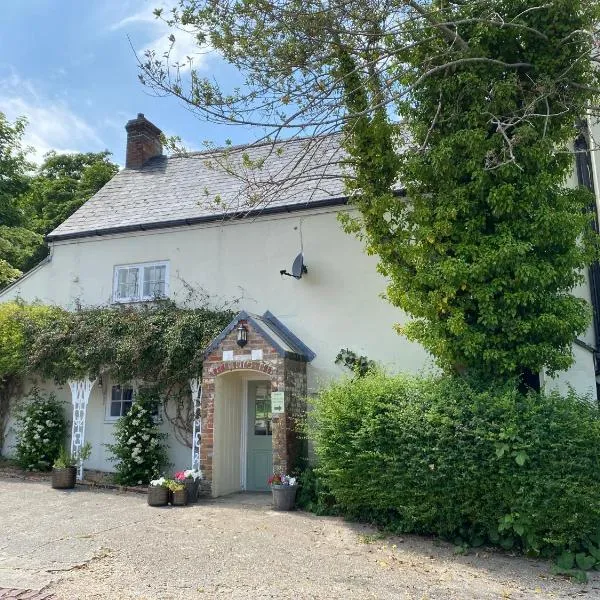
(160, 344)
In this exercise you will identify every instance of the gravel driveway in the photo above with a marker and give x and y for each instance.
(98, 544)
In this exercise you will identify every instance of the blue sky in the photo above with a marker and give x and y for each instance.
(67, 66)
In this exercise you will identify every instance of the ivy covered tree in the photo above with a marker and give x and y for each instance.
(486, 245)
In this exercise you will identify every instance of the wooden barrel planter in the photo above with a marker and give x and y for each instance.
(158, 495)
(64, 479)
(179, 497)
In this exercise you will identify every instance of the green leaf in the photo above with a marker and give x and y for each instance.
(585, 561)
(521, 457)
(566, 560)
(501, 450)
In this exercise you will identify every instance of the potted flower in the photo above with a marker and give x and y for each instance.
(191, 480)
(284, 491)
(158, 492)
(64, 469)
(178, 491)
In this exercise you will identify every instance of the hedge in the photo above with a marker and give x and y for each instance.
(446, 457)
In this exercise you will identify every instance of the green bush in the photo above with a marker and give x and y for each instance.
(139, 450)
(474, 465)
(313, 494)
(41, 431)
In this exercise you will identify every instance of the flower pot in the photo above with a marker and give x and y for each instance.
(192, 486)
(179, 497)
(158, 495)
(64, 479)
(284, 496)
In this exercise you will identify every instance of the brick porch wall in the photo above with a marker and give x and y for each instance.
(286, 375)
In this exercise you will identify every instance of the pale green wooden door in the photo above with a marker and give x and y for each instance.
(260, 435)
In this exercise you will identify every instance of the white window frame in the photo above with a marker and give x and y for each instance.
(135, 386)
(140, 267)
(108, 418)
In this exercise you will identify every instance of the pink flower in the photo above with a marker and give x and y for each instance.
(180, 475)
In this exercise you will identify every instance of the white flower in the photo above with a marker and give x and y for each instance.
(157, 482)
(145, 437)
(139, 460)
(49, 423)
(36, 436)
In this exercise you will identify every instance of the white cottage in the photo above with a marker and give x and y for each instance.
(164, 224)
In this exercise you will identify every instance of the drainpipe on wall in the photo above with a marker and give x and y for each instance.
(585, 178)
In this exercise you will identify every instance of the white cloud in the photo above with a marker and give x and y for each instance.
(157, 34)
(143, 16)
(52, 124)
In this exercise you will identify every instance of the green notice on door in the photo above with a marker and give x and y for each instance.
(277, 402)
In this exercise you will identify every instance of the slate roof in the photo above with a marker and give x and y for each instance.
(274, 331)
(211, 185)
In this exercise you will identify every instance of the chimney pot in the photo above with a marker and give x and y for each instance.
(143, 142)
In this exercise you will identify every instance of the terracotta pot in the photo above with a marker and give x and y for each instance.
(158, 496)
(64, 479)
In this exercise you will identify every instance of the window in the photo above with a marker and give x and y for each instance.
(136, 283)
(262, 412)
(121, 399)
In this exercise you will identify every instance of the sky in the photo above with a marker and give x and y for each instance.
(69, 67)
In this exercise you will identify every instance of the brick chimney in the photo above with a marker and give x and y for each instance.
(143, 142)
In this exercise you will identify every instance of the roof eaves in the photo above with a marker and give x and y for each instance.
(269, 210)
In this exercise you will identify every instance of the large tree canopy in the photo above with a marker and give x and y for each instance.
(17, 242)
(485, 248)
(63, 182)
(33, 201)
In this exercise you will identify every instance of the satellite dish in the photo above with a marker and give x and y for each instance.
(298, 268)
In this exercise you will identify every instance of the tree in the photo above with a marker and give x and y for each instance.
(487, 245)
(62, 184)
(16, 241)
(33, 201)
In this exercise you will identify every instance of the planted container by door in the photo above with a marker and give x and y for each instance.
(284, 491)
(158, 493)
(179, 497)
(191, 480)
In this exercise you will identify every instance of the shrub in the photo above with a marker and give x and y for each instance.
(41, 431)
(313, 494)
(139, 450)
(447, 457)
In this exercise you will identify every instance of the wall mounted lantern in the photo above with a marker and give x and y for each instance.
(242, 334)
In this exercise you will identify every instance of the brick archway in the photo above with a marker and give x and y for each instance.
(271, 350)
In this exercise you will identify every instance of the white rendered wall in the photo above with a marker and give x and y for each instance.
(337, 304)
